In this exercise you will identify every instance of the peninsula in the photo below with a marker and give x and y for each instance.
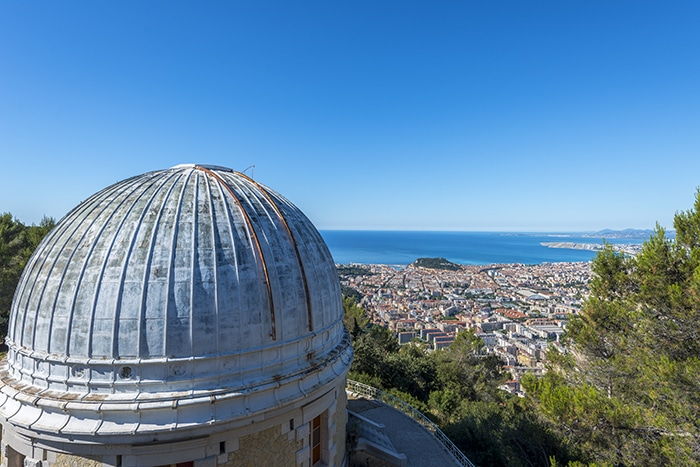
(574, 245)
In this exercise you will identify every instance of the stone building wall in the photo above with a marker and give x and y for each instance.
(282, 439)
(266, 447)
(68, 460)
(340, 418)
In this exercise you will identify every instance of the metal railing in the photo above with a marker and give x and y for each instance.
(371, 392)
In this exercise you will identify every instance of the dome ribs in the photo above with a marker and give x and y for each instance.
(214, 263)
(106, 307)
(203, 305)
(193, 260)
(126, 332)
(282, 219)
(226, 232)
(170, 298)
(190, 280)
(34, 270)
(100, 206)
(256, 243)
(144, 349)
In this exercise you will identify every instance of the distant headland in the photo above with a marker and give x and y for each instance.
(574, 246)
(631, 248)
(626, 233)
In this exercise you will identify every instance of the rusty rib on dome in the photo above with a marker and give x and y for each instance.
(294, 243)
(139, 290)
(256, 242)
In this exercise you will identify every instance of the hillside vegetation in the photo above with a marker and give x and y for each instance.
(625, 393)
(436, 263)
(17, 243)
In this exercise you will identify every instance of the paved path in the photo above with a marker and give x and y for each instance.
(407, 436)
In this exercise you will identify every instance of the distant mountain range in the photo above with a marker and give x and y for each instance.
(626, 233)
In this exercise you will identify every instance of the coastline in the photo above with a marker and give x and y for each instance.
(627, 248)
(466, 248)
(574, 245)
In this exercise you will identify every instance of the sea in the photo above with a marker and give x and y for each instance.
(401, 248)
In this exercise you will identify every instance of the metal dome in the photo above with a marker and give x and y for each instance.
(190, 283)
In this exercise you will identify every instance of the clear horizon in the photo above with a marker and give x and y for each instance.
(491, 117)
(497, 231)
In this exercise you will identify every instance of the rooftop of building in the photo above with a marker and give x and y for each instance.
(183, 287)
(416, 440)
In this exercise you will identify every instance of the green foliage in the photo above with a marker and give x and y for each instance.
(611, 275)
(625, 393)
(351, 292)
(354, 271)
(369, 357)
(464, 374)
(17, 243)
(411, 400)
(628, 392)
(365, 379)
(457, 387)
(355, 317)
(436, 263)
(504, 433)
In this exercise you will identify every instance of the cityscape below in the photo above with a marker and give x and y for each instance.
(517, 310)
(518, 303)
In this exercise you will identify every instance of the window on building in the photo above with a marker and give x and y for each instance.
(14, 459)
(315, 441)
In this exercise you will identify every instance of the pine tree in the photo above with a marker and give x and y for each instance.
(17, 243)
(627, 392)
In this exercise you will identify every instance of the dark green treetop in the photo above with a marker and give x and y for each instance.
(627, 392)
(436, 263)
(17, 243)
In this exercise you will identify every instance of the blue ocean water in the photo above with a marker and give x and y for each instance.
(404, 247)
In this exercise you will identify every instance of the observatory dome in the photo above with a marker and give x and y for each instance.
(179, 298)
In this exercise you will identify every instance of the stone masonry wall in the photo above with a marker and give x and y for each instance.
(68, 460)
(340, 418)
(266, 447)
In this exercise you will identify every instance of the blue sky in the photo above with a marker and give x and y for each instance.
(447, 115)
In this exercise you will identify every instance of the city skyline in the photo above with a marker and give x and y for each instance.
(506, 116)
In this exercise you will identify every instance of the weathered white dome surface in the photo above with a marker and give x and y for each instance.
(172, 299)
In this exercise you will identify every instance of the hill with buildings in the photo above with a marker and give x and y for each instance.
(436, 263)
